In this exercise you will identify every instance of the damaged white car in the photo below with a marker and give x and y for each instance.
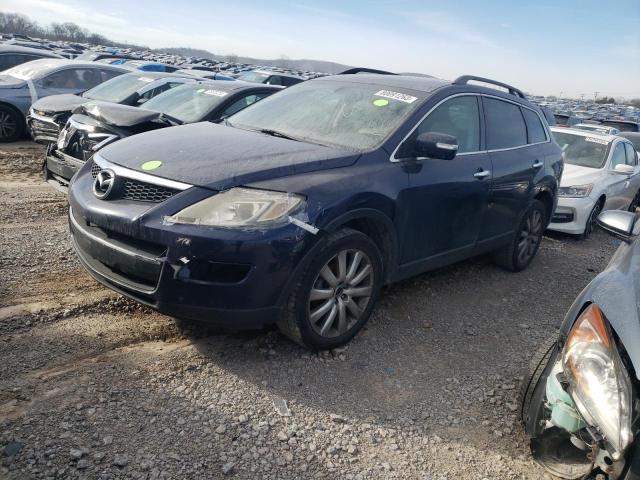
(580, 402)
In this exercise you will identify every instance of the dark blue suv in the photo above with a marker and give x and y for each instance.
(302, 206)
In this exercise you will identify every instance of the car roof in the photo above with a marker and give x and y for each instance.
(158, 75)
(53, 63)
(280, 74)
(421, 84)
(585, 133)
(235, 86)
(34, 51)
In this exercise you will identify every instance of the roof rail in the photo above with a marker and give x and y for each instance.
(352, 71)
(464, 79)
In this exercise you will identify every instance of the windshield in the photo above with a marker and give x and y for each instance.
(119, 88)
(346, 115)
(583, 151)
(255, 77)
(188, 103)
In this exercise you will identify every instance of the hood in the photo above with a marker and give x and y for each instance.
(58, 103)
(7, 81)
(577, 175)
(116, 114)
(219, 157)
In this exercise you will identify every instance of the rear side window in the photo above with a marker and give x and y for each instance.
(535, 130)
(458, 117)
(505, 124)
(72, 78)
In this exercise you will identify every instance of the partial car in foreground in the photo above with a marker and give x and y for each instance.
(581, 395)
(299, 208)
(601, 173)
(24, 84)
(48, 115)
(95, 124)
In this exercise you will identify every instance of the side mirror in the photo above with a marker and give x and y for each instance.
(618, 223)
(624, 169)
(436, 145)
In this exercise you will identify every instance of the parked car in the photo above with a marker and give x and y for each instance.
(48, 115)
(93, 56)
(299, 208)
(205, 74)
(95, 125)
(566, 120)
(580, 396)
(10, 56)
(601, 173)
(22, 85)
(548, 115)
(270, 78)
(623, 125)
(605, 129)
(148, 66)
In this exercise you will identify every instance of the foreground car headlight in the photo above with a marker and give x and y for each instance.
(599, 382)
(238, 207)
(576, 191)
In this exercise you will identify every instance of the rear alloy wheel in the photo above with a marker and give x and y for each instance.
(336, 291)
(523, 248)
(591, 221)
(11, 127)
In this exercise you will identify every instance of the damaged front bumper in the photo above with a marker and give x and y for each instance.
(563, 441)
(236, 278)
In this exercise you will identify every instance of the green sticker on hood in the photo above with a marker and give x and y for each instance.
(151, 165)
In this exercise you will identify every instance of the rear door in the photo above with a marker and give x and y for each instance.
(446, 199)
(514, 163)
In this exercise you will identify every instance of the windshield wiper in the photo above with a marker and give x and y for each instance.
(275, 133)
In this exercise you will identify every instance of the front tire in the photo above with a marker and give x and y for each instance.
(523, 247)
(591, 221)
(336, 292)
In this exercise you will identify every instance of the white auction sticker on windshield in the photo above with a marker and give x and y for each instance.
(215, 93)
(145, 79)
(403, 97)
(596, 140)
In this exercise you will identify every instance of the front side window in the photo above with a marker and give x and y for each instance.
(458, 117)
(535, 130)
(505, 124)
(354, 116)
(243, 103)
(618, 157)
(71, 78)
(582, 150)
(632, 159)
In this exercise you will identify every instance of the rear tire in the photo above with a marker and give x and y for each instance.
(335, 293)
(11, 124)
(517, 256)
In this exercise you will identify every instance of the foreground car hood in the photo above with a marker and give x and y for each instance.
(58, 103)
(577, 175)
(116, 114)
(219, 157)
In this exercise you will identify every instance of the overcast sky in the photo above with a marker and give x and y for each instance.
(544, 46)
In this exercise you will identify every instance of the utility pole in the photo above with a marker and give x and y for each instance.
(595, 96)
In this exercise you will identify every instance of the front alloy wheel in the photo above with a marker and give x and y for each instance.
(9, 126)
(591, 221)
(335, 291)
(341, 293)
(530, 236)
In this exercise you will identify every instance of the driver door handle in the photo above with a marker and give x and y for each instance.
(537, 164)
(482, 174)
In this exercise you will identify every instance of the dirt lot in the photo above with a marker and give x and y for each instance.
(94, 386)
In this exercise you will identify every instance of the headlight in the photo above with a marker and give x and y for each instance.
(576, 191)
(238, 207)
(599, 382)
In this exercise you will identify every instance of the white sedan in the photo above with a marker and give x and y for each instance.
(601, 172)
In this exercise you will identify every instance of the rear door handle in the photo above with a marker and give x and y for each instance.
(482, 174)
(537, 164)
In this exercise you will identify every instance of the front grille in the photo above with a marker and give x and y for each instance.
(139, 191)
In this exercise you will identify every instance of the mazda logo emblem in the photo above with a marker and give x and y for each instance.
(104, 183)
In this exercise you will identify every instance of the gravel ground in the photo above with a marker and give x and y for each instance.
(94, 386)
